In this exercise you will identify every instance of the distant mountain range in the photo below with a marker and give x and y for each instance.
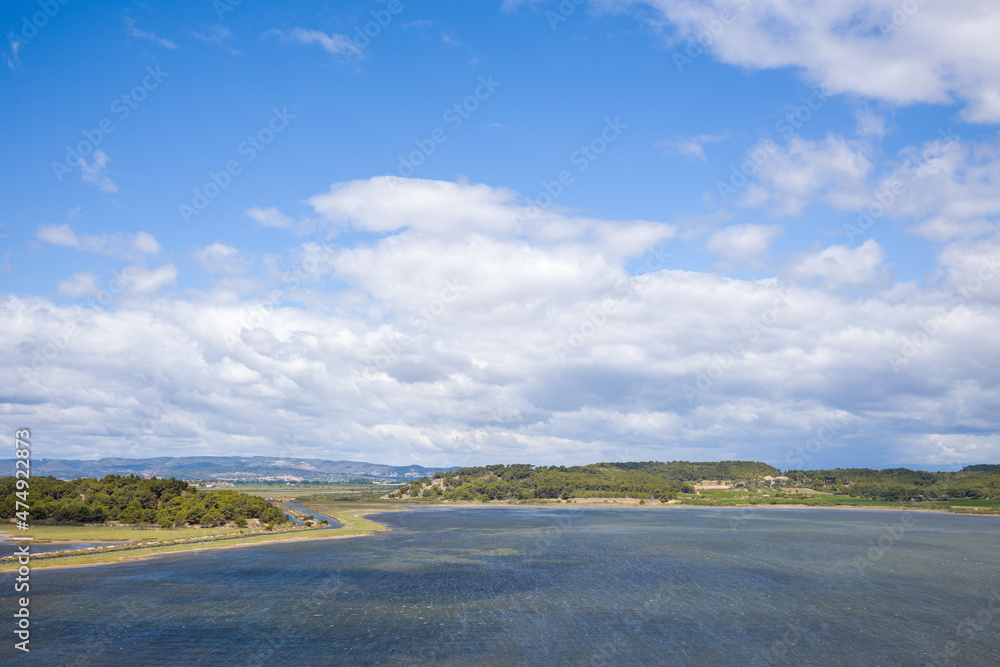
(230, 468)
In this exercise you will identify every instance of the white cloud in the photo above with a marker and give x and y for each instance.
(973, 267)
(80, 285)
(60, 235)
(335, 44)
(216, 34)
(270, 217)
(693, 147)
(843, 265)
(219, 258)
(389, 203)
(803, 171)
(870, 124)
(145, 243)
(442, 348)
(140, 280)
(13, 60)
(94, 173)
(948, 188)
(937, 53)
(125, 246)
(148, 36)
(743, 244)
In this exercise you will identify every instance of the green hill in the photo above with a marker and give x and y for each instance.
(643, 480)
(132, 500)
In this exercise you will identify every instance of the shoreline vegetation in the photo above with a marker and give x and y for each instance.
(734, 484)
(354, 524)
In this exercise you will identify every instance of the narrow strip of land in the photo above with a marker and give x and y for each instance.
(354, 525)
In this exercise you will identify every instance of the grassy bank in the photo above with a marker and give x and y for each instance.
(160, 541)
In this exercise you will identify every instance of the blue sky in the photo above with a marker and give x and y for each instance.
(697, 288)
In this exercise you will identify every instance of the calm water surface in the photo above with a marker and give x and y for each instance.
(552, 586)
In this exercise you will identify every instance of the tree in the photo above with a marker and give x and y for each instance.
(212, 517)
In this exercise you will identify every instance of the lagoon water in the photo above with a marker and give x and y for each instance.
(549, 586)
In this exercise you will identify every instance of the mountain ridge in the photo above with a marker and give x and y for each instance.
(230, 468)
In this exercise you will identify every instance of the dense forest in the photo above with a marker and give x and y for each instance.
(977, 481)
(134, 500)
(520, 481)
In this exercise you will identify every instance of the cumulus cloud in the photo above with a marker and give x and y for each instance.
(125, 246)
(803, 171)
(902, 53)
(743, 244)
(219, 258)
(465, 339)
(844, 265)
(389, 203)
(141, 280)
(80, 285)
(946, 188)
(270, 217)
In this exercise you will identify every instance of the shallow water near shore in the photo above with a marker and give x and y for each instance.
(511, 586)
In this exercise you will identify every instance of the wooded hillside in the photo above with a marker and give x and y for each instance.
(651, 479)
(134, 500)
